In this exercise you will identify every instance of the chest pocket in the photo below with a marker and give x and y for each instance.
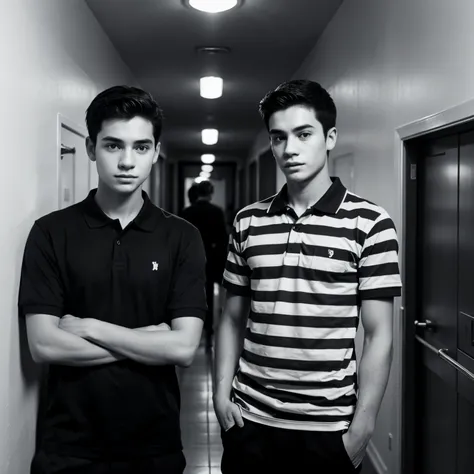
(327, 259)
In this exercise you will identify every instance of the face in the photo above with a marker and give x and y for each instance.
(298, 143)
(124, 153)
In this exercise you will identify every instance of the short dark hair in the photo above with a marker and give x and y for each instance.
(300, 92)
(193, 193)
(205, 189)
(123, 102)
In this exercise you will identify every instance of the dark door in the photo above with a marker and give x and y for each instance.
(253, 182)
(444, 404)
(266, 175)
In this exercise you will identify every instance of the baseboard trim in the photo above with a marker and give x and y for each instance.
(376, 459)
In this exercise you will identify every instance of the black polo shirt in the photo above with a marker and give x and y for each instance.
(79, 261)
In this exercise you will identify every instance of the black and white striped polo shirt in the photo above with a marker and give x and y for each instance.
(306, 278)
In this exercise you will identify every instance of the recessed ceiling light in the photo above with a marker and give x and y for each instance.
(213, 6)
(208, 158)
(210, 136)
(199, 179)
(211, 87)
(205, 175)
(207, 168)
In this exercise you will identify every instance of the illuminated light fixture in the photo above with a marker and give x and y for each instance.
(211, 87)
(207, 168)
(213, 6)
(210, 136)
(205, 175)
(208, 158)
(199, 179)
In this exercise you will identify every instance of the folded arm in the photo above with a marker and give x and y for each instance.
(176, 346)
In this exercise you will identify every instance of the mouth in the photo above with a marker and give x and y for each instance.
(125, 176)
(293, 165)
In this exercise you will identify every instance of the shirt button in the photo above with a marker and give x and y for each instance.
(118, 242)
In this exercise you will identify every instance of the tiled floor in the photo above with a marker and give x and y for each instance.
(200, 429)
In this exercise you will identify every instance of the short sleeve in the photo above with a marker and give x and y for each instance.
(237, 272)
(41, 286)
(188, 291)
(379, 274)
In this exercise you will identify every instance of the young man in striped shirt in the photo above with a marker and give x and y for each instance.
(302, 266)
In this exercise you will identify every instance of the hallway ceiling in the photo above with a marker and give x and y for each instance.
(268, 41)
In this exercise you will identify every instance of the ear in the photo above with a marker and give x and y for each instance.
(157, 152)
(331, 139)
(90, 147)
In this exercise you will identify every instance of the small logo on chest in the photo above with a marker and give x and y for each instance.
(330, 253)
(155, 266)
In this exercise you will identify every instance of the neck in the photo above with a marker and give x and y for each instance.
(124, 207)
(304, 195)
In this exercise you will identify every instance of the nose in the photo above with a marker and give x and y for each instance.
(127, 159)
(291, 147)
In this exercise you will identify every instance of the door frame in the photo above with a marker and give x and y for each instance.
(81, 131)
(404, 331)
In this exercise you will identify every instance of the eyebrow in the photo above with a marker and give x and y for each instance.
(275, 131)
(145, 141)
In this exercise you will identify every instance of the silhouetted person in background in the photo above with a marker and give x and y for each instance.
(210, 221)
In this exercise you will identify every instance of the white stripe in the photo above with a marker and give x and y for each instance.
(380, 282)
(379, 259)
(300, 355)
(302, 332)
(303, 309)
(296, 375)
(305, 286)
(328, 393)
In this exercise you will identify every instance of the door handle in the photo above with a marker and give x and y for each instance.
(426, 324)
(442, 354)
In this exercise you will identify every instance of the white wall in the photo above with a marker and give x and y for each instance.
(55, 58)
(388, 63)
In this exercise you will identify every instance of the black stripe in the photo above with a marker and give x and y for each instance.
(305, 298)
(353, 198)
(304, 321)
(369, 214)
(381, 247)
(237, 269)
(271, 229)
(381, 293)
(379, 270)
(384, 224)
(299, 342)
(236, 289)
(292, 397)
(245, 401)
(303, 365)
(308, 274)
(334, 383)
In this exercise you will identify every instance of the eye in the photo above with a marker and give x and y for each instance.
(278, 138)
(304, 135)
(143, 148)
(112, 146)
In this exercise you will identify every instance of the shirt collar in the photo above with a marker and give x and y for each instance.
(95, 217)
(329, 203)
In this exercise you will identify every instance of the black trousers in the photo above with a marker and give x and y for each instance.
(51, 463)
(260, 448)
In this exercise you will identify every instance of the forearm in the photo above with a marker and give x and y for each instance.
(63, 348)
(374, 370)
(150, 348)
(229, 342)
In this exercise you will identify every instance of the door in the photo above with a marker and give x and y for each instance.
(266, 175)
(444, 394)
(253, 182)
(76, 176)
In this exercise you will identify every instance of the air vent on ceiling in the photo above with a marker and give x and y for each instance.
(213, 50)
